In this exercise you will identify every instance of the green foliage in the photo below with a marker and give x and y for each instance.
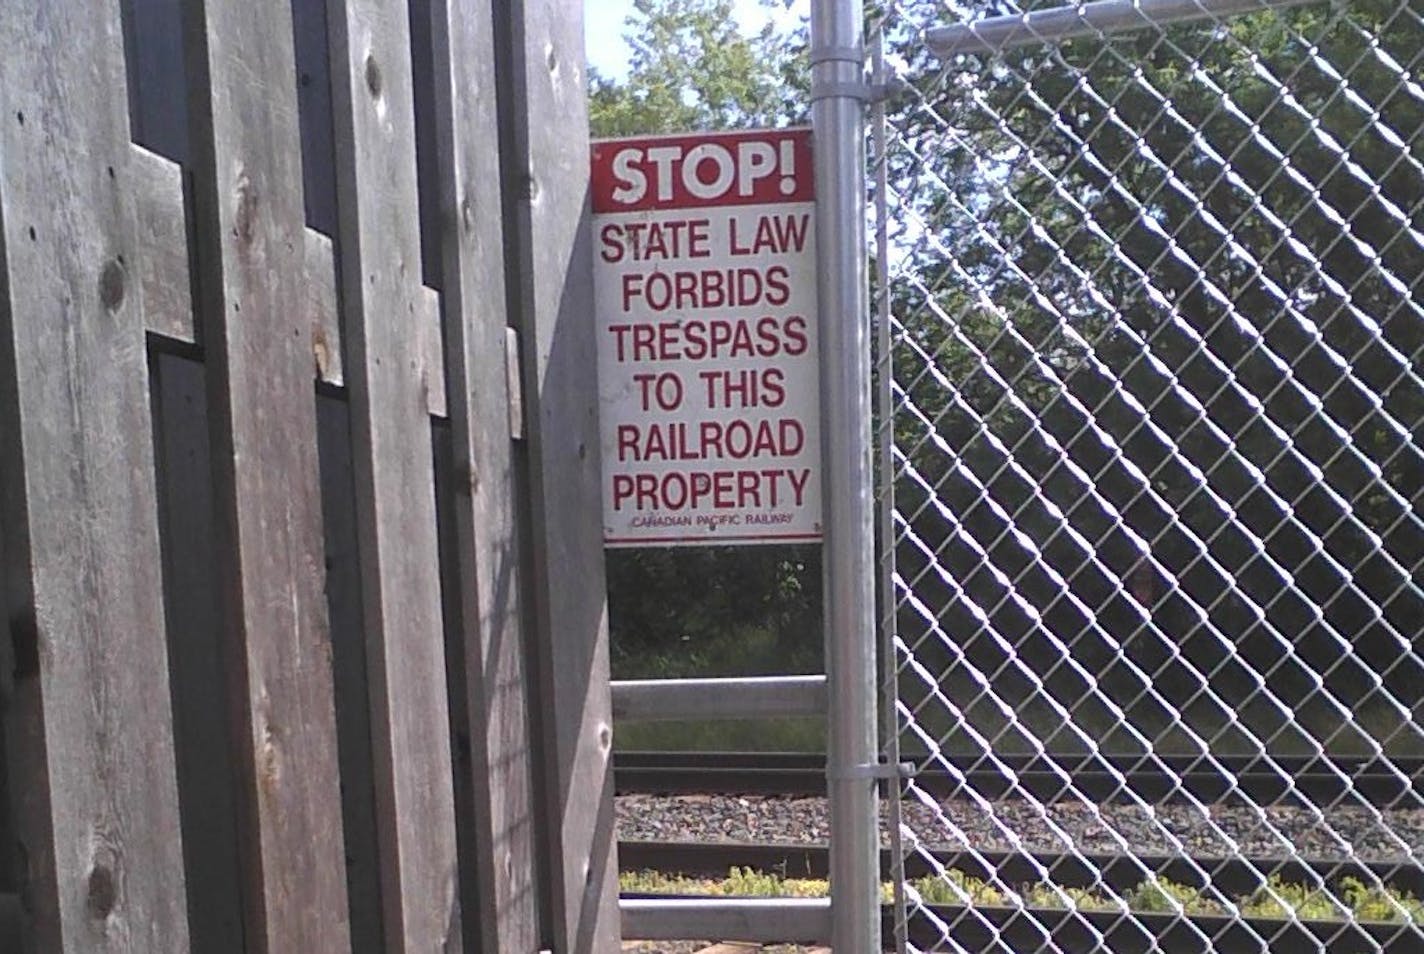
(1076, 305)
(1278, 898)
(1372, 903)
(956, 887)
(692, 68)
(739, 883)
(714, 611)
(1059, 897)
(1161, 896)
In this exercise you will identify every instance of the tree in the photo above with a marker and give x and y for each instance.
(1182, 263)
(692, 68)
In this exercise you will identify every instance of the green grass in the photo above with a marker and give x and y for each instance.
(1277, 899)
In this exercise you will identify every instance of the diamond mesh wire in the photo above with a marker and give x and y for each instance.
(1156, 326)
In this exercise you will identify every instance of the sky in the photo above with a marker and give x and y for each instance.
(604, 28)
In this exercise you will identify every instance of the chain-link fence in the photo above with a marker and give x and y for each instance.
(1156, 319)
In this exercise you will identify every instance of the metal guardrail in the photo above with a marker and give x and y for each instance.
(781, 920)
(765, 697)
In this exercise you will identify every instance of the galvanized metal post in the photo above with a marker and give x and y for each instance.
(838, 96)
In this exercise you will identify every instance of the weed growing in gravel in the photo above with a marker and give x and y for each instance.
(1280, 899)
(1276, 899)
(1159, 895)
(956, 887)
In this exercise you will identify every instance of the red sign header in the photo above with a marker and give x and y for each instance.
(705, 169)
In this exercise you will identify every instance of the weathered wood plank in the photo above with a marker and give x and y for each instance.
(257, 334)
(387, 323)
(546, 175)
(163, 271)
(321, 303)
(432, 352)
(495, 699)
(90, 742)
(162, 245)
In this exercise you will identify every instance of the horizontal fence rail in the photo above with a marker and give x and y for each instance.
(1152, 332)
(759, 697)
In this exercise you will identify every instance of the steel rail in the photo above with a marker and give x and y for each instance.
(1104, 780)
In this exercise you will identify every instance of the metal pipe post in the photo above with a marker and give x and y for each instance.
(838, 94)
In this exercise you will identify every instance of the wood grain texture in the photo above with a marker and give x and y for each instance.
(162, 245)
(487, 578)
(387, 323)
(163, 270)
(90, 745)
(546, 172)
(247, 191)
(321, 304)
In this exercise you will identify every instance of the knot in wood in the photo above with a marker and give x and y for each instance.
(373, 75)
(111, 285)
(245, 216)
(102, 893)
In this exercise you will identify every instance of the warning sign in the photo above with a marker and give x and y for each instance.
(704, 252)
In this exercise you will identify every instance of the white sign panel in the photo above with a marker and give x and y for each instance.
(704, 252)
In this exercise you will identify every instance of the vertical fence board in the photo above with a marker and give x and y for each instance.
(206, 781)
(348, 662)
(546, 167)
(90, 731)
(248, 208)
(496, 706)
(384, 312)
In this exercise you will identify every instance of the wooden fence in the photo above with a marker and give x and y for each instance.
(303, 571)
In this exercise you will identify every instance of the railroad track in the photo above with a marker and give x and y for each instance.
(1102, 778)
(1005, 928)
